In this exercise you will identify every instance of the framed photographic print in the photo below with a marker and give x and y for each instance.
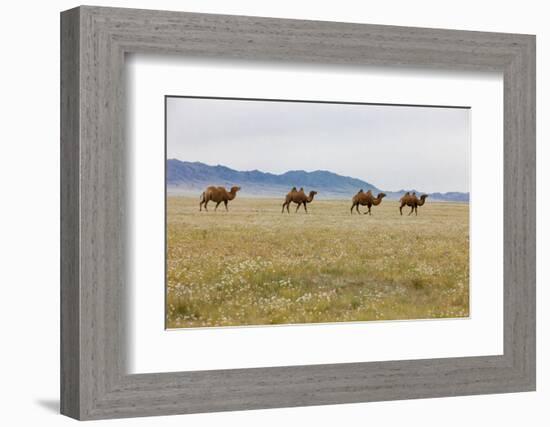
(263, 213)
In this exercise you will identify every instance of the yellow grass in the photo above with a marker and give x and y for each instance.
(254, 266)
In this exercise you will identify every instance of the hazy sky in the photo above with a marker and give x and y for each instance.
(391, 147)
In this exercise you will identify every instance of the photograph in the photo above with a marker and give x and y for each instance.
(286, 212)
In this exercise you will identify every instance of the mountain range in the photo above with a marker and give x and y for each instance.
(193, 177)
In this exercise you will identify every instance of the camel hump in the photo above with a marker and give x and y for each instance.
(293, 189)
(360, 191)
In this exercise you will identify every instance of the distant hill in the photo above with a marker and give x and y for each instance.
(193, 177)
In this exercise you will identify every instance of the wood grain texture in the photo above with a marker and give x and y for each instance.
(70, 291)
(95, 383)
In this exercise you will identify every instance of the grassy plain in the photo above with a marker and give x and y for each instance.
(256, 266)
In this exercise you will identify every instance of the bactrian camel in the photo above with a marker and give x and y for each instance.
(299, 197)
(217, 195)
(412, 201)
(366, 199)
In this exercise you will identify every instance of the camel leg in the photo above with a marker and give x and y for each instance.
(401, 210)
(357, 208)
(217, 204)
(200, 206)
(351, 209)
(416, 210)
(305, 206)
(283, 209)
(298, 207)
(288, 208)
(225, 203)
(412, 209)
(205, 205)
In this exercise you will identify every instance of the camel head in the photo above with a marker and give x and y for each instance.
(422, 200)
(235, 189)
(311, 195)
(378, 199)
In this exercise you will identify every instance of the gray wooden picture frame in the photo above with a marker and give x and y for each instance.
(94, 381)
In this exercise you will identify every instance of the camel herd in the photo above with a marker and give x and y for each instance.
(220, 194)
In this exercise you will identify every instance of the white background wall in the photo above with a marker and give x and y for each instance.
(29, 212)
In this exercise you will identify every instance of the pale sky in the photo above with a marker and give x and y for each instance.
(392, 147)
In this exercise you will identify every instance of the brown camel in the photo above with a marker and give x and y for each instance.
(366, 199)
(412, 201)
(218, 195)
(299, 197)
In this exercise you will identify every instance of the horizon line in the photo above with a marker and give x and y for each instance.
(318, 170)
